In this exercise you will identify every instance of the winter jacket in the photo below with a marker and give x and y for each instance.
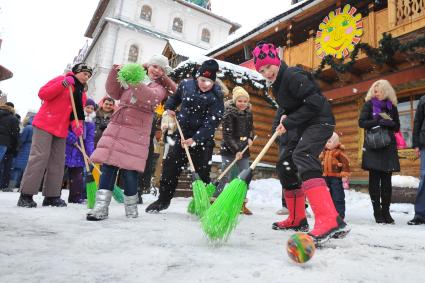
(200, 112)
(283, 139)
(102, 119)
(299, 96)
(237, 129)
(55, 113)
(73, 156)
(9, 128)
(418, 138)
(25, 140)
(334, 162)
(125, 142)
(384, 159)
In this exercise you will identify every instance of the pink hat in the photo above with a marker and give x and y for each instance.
(265, 54)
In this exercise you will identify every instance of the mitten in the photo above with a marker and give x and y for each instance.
(67, 81)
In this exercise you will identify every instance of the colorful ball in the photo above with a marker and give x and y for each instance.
(300, 247)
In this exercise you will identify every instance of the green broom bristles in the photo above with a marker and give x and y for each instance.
(118, 194)
(210, 191)
(221, 218)
(91, 189)
(131, 74)
(191, 207)
(200, 197)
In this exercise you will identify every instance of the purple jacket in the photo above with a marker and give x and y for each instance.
(73, 157)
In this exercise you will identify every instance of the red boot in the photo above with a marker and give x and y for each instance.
(297, 221)
(327, 223)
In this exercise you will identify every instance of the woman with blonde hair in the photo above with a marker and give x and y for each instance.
(380, 111)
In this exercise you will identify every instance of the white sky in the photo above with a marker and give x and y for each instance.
(41, 37)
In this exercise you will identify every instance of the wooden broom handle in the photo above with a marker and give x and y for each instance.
(233, 162)
(78, 124)
(87, 158)
(192, 168)
(264, 150)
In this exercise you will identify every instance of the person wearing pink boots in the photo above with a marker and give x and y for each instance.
(306, 111)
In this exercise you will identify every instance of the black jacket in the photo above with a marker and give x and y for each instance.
(237, 129)
(200, 112)
(384, 159)
(300, 97)
(418, 138)
(101, 121)
(9, 128)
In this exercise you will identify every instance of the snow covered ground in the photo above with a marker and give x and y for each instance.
(59, 245)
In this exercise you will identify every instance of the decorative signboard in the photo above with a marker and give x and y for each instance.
(339, 32)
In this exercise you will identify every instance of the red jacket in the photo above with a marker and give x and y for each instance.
(54, 114)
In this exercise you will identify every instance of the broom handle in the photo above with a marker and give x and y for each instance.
(88, 158)
(233, 163)
(264, 150)
(192, 168)
(78, 124)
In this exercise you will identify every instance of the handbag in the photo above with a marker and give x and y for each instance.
(401, 143)
(377, 137)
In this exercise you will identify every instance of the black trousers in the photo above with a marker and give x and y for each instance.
(300, 159)
(173, 164)
(380, 188)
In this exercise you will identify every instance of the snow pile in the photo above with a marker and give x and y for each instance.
(405, 181)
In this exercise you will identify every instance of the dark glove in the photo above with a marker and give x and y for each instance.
(69, 80)
(386, 123)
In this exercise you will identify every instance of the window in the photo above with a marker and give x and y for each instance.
(407, 109)
(146, 13)
(178, 25)
(206, 35)
(133, 53)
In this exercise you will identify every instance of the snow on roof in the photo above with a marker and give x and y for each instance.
(185, 49)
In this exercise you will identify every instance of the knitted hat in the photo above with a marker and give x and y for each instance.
(265, 54)
(91, 102)
(208, 70)
(82, 67)
(239, 92)
(161, 61)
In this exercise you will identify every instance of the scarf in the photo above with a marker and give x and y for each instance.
(380, 106)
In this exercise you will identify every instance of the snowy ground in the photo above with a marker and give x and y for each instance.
(59, 245)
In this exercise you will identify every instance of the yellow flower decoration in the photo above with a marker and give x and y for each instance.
(339, 32)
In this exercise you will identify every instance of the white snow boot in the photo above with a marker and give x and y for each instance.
(101, 208)
(130, 204)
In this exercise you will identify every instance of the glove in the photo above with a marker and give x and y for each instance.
(386, 123)
(68, 81)
(77, 130)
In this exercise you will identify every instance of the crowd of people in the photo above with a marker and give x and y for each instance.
(119, 137)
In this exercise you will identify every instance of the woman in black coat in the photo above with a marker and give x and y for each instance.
(380, 110)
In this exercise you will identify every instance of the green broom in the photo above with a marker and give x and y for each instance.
(90, 183)
(200, 195)
(221, 218)
(211, 187)
(117, 193)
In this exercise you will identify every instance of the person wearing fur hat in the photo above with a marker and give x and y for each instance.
(307, 111)
(125, 142)
(336, 167)
(74, 159)
(237, 134)
(201, 109)
(50, 129)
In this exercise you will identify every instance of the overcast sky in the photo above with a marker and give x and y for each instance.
(41, 37)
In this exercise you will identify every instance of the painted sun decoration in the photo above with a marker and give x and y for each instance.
(339, 32)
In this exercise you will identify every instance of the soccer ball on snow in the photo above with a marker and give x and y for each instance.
(300, 247)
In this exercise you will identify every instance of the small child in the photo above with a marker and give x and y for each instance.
(237, 134)
(74, 159)
(336, 167)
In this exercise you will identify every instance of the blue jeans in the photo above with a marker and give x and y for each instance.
(109, 175)
(420, 197)
(3, 150)
(337, 194)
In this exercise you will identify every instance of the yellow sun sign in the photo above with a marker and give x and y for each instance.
(339, 32)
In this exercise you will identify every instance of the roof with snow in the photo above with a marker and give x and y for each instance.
(185, 49)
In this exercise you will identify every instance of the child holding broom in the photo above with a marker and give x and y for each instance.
(308, 112)
(125, 142)
(50, 129)
(74, 160)
(237, 134)
(201, 109)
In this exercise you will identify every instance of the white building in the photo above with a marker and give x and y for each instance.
(132, 30)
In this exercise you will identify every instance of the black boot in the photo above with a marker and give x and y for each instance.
(140, 199)
(417, 220)
(387, 216)
(54, 201)
(386, 201)
(26, 201)
(163, 201)
(377, 213)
